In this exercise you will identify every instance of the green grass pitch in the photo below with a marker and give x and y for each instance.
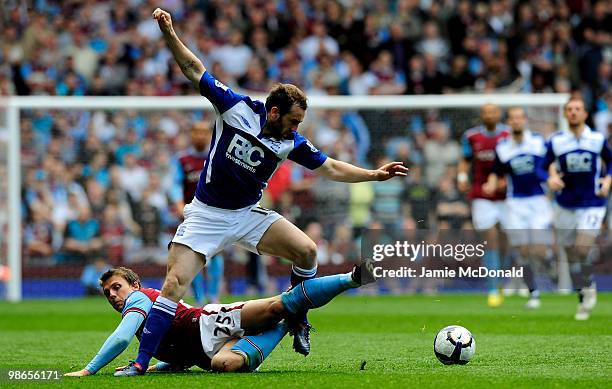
(393, 335)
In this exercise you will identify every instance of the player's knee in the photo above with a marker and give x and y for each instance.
(226, 362)
(172, 287)
(276, 309)
(306, 255)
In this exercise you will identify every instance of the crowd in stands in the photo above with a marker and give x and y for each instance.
(102, 184)
(98, 47)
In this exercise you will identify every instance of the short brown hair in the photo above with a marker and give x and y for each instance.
(285, 96)
(575, 98)
(126, 273)
(516, 109)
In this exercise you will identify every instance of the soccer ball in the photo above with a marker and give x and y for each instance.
(454, 345)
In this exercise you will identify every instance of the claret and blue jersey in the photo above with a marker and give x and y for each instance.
(580, 162)
(520, 161)
(241, 158)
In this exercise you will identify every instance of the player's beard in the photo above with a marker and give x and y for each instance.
(275, 129)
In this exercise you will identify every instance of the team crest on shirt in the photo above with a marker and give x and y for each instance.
(273, 144)
(312, 148)
(221, 85)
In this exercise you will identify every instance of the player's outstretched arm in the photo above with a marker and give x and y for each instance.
(190, 65)
(345, 172)
(114, 345)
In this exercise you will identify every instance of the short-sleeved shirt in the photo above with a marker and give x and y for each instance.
(191, 164)
(242, 159)
(520, 161)
(580, 162)
(479, 147)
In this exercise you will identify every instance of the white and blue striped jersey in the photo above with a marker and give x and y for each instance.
(580, 162)
(520, 161)
(241, 159)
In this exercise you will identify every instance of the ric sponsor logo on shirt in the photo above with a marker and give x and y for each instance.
(523, 165)
(242, 152)
(579, 162)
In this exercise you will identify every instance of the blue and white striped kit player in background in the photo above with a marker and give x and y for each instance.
(529, 219)
(250, 141)
(580, 157)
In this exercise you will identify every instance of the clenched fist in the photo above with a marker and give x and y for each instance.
(163, 19)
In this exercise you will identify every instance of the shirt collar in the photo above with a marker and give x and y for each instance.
(527, 134)
(587, 131)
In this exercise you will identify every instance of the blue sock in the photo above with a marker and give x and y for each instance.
(316, 292)
(158, 323)
(214, 276)
(197, 286)
(491, 262)
(257, 348)
(298, 275)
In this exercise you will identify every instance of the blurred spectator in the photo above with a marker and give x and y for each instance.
(439, 152)
(234, 56)
(149, 218)
(113, 235)
(255, 80)
(389, 80)
(400, 47)
(452, 209)
(318, 43)
(459, 78)
(133, 178)
(432, 43)
(90, 278)
(331, 204)
(418, 197)
(81, 238)
(388, 204)
(362, 195)
(360, 81)
(38, 239)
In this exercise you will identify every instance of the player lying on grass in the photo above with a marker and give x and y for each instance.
(219, 337)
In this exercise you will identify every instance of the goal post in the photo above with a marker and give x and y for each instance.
(14, 107)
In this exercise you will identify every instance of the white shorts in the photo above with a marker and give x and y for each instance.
(219, 323)
(529, 220)
(208, 230)
(568, 221)
(487, 213)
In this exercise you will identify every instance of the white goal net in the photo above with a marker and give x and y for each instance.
(115, 154)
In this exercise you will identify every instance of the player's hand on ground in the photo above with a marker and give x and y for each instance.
(391, 170)
(555, 183)
(80, 373)
(163, 19)
(604, 187)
